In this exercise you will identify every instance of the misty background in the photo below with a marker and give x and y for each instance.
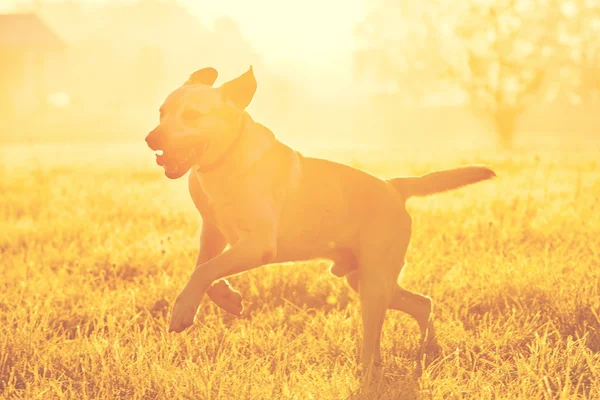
(362, 75)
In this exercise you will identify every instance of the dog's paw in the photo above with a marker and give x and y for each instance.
(226, 297)
(184, 311)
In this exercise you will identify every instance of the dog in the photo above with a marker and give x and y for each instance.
(271, 204)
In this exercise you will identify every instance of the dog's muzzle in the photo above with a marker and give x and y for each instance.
(175, 157)
(156, 139)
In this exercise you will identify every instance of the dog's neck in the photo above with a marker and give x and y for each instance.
(249, 144)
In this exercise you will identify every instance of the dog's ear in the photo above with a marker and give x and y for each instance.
(240, 90)
(204, 76)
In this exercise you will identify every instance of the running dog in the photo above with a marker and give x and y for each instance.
(271, 204)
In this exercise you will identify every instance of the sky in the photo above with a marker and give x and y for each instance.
(315, 33)
(315, 37)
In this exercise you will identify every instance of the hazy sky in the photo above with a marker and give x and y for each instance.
(314, 32)
(311, 31)
(314, 36)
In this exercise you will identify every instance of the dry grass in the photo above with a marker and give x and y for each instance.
(95, 244)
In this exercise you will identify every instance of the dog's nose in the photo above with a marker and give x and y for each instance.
(154, 139)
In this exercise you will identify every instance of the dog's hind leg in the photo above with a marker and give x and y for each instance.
(374, 300)
(343, 263)
(416, 305)
(380, 261)
(375, 295)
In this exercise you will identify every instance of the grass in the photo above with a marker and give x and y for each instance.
(95, 244)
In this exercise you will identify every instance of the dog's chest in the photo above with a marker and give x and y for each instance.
(226, 223)
(226, 217)
(240, 203)
(221, 207)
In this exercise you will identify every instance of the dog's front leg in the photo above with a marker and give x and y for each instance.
(212, 243)
(256, 249)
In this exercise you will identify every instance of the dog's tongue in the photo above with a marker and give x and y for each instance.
(161, 159)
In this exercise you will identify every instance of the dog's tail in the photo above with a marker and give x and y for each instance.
(441, 181)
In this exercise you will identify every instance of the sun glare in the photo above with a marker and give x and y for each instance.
(59, 99)
(321, 199)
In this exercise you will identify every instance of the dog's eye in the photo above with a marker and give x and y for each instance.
(191, 115)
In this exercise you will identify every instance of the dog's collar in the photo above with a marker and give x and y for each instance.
(219, 161)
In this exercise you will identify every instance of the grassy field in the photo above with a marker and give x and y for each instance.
(95, 244)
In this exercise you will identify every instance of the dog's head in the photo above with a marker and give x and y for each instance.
(198, 122)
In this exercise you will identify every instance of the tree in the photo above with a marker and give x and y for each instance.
(579, 33)
(495, 52)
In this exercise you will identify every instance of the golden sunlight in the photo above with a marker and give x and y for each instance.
(299, 200)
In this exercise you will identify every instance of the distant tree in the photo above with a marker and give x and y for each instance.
(495, 52)
(580, 36)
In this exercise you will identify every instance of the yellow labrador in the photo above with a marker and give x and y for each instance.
(271, 204)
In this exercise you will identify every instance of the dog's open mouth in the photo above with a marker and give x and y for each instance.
(177, 162)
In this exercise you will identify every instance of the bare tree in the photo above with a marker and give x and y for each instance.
(495, 52)
(579, 33)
